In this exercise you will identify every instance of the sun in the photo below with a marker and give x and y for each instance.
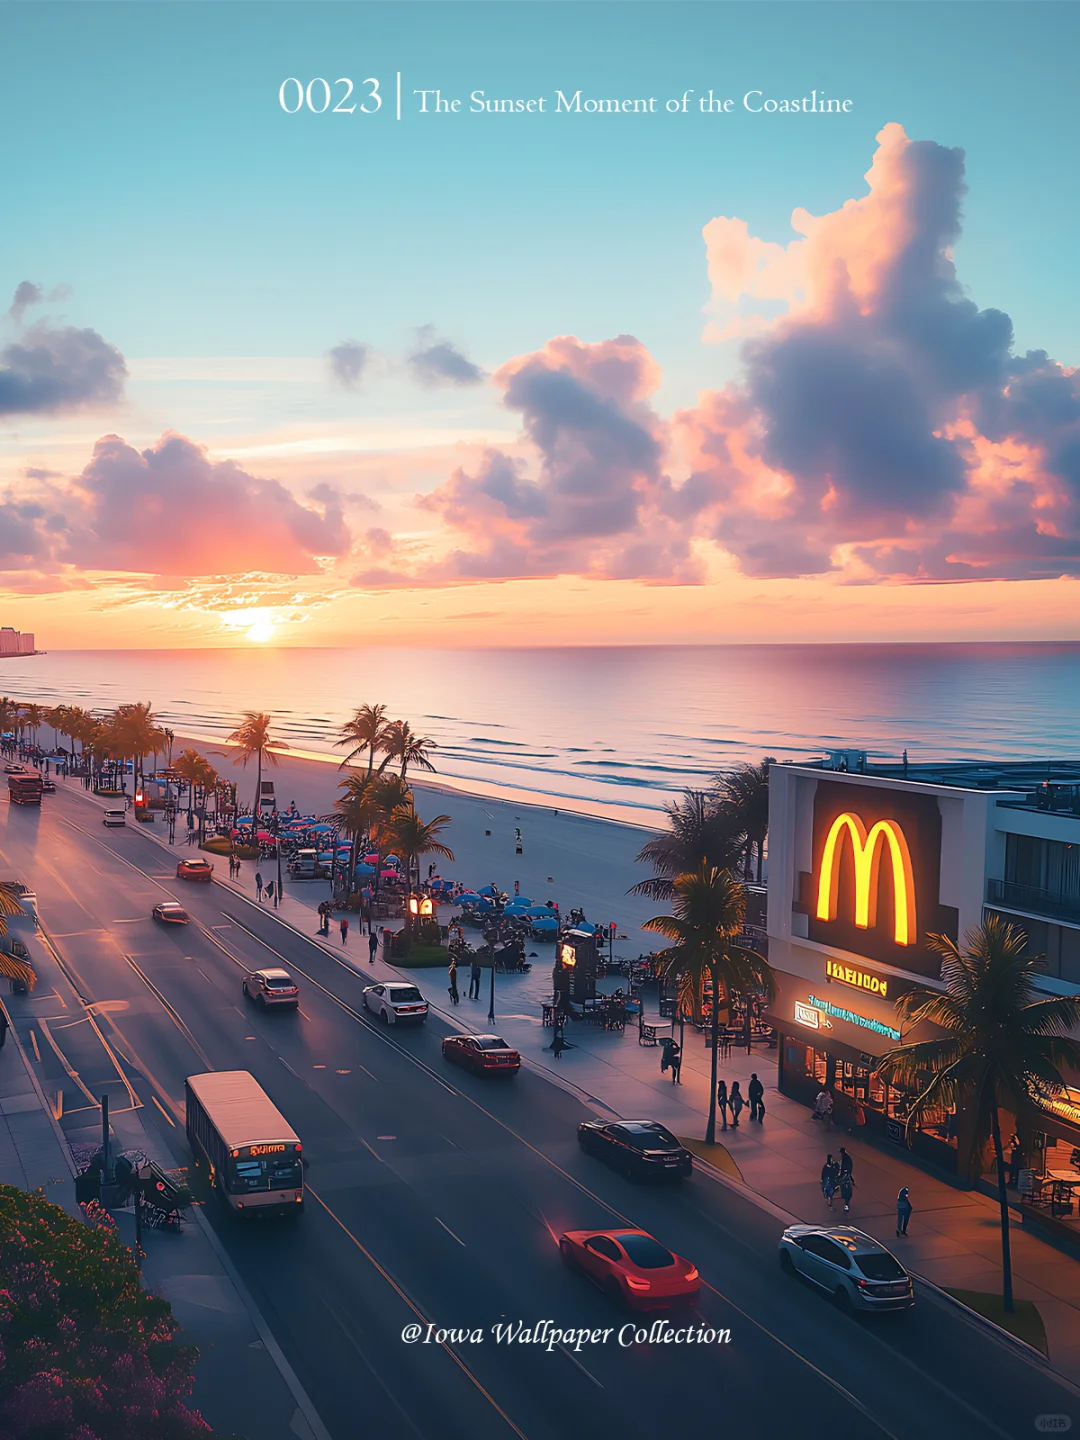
(259, 625)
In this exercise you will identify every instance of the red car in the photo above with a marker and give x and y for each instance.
(482, 1054)
(631, 1267)
(194, 870)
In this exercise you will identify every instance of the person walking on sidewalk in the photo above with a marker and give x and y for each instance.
(847, 1184)
(452, 987)
(847, 1165)
(372, 946)
(672, 1059)
(903, 1211)
(344, 926)
(474, 980)
(258, 886)
(756, 1092)
(735, 1104)
(823, 1106)
(830, 1174)
(722, 1101)
(269, 890)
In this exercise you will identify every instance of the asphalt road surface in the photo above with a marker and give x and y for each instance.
(435, 1199)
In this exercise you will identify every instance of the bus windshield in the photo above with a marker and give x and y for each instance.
(265, 1172)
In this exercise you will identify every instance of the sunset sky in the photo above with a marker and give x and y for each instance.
(538, 378)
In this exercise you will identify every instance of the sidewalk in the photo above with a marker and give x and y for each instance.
(955, 1237)
(33, 1152)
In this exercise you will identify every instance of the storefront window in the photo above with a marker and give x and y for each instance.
(852, 1082)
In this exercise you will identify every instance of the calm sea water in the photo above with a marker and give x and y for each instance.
(614, 731)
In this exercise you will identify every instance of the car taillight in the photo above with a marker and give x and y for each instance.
(636, 1284)
(692, 1274)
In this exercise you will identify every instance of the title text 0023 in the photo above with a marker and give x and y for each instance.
(345, 96)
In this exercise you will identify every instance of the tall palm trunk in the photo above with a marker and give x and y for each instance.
(258, 790)
(710, 1128)
(1003, 1205)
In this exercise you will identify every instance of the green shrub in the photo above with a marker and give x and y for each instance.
(222, 845)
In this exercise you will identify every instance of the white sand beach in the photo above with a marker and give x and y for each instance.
(568, 857)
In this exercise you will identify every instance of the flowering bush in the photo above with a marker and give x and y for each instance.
(85, 1352)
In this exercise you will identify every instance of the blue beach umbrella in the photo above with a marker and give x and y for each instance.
(468, 897)
(364, 869)
(487, 890)
(547, 926)
(542, 912)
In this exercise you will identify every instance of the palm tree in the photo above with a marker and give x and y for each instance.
(169, 739)
(192, 767)
(253, 737)
(137, 732)
(367, 730)
(11, 967)
(699, 833)
(411, 837)
(31, 717)
(744, 794)
(401, 744)
(1002, 1046)
(710, 906)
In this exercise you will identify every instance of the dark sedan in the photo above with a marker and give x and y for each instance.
(482, 1054)
(637, 1148)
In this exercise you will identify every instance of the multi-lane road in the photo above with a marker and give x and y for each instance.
(435, 1198)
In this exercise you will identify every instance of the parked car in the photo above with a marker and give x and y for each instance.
(482, 1054)
(631, 1267)
(170, 913)
(271, 987)
(14, 769)
(640, 1149)
(854, 1268)
(194, 870)
(396, 1003)
(48, 787)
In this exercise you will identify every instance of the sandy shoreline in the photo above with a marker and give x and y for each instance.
(576, 859)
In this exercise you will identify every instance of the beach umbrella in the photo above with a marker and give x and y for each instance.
(516, 907)
(389, 874)
(542, 912)
(372, 859)
(364, 869)
(468, 897)
(391, 860)
(488, 890)
(322, 829)
(545, 926)
(265, 837)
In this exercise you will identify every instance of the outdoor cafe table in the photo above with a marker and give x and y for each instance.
(1064, 1182)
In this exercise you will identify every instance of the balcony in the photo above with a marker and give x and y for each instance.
(1050, 904)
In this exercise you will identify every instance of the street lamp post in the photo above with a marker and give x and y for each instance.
(491, 993)
(277, 846)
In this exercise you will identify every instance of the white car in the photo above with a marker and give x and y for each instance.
(855, 1269)
(396, 1003)
(271, 987)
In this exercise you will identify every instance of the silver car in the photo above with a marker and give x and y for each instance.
(852, 1267)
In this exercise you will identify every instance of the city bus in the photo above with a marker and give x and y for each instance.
(254, 1154)
(25, 789)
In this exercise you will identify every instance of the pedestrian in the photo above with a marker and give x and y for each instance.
(344, 924)
(903, 1211)
(830, 1174)
(258, 886)
(847, 1165)
(372, 946)
(735, 1104)
(3, 1026)
(722, 1101)
(452, 989)
(474, 980)
(269, 890)
(847, 1184)
(756, 1091)
(1016, 1161)
(823, 1107)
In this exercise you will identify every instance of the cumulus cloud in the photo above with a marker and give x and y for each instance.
(881, 426)
(435, 362)
(349, 362)
(171, 509)
(51, 370)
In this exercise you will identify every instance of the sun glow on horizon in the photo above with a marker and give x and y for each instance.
(258, 625)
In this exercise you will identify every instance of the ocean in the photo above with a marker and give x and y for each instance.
(616, 732)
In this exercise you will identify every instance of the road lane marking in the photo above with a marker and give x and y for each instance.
(172, 1014)
(33, 1042)
(164, 1112)
(451, 1233)
(418, 1313)
(72, 1073)
(288, 1066)
(574, 1361)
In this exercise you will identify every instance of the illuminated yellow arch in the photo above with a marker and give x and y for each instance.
(866, 853)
